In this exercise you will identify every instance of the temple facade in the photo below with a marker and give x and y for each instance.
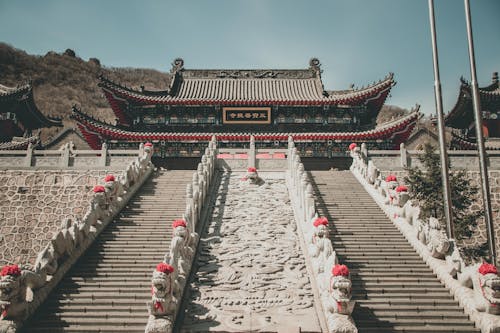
(270, 104)
(20, 117)
(461, 117)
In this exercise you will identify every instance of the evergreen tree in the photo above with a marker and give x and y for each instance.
(426, 188)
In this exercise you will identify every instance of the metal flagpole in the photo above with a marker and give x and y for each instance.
(488, 216)
(442, 142)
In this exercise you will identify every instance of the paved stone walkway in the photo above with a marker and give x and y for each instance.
(251, 273)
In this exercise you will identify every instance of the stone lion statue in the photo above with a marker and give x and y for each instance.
(181, 249)
(387, 189)
(411, 212)
(320, 246)
(252, 176)
(339, 306)
(14, 284)
(485, 282)
(438, 243)
(162, 306)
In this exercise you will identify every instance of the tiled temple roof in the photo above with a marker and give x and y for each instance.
(20, 143)
(248, 87)
(462, 115)
(96, 131)
(20, 100)
(459, 141)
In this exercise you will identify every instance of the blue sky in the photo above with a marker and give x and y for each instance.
(357, 41)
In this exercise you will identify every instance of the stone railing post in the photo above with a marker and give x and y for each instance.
(364, 152)
(251, 153)
(201, 182)
(141, 150)
(404, 155)
(298, 185)
(28, 160)
(104, 154)
(310, 203)
(303, 187)
(64, 161)
(190, 203)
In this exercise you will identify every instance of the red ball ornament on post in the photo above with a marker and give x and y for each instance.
(109, 178)
(352, 146)
(340, 270)
(252, 169)
(164, 268)
(99, 189)
(401, 188)
(148, 144)
(486, 268)
(11, 270)
(320, 221)
(179, 223)
(391, 178)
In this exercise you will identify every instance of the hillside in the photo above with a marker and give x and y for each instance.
(62, 80)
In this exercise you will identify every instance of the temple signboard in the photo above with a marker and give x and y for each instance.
(246, 115)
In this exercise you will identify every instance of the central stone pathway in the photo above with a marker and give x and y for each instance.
(250, 271)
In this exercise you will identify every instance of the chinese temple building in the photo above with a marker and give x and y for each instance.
(461, 117)
(235, 104)
(19, 117)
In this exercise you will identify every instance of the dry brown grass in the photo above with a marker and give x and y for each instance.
(60, 80)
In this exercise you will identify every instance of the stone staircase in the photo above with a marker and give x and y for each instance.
(107, 289)
(394, 289)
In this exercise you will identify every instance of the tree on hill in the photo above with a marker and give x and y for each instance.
(426, 185)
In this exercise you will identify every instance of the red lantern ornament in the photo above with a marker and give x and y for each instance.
(340, 270)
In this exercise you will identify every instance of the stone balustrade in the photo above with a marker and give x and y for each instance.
(170, 276)
(265, 159)
(331, 279)
(475, 286)
(398, 160)
(24, 287)
(66, 158)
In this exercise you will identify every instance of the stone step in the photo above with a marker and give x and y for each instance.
(107, 289)
(394, 289)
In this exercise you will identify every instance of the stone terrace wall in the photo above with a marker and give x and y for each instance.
(33, 205)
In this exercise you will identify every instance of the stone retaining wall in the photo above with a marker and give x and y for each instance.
(33, 205)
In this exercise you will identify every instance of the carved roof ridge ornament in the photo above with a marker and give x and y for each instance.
(177, 65)
(315, 65)
(257, 74)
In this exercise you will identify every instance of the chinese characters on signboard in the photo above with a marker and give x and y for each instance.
(246, 115)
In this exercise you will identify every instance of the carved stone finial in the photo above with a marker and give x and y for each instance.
(315, 64)
(177, 65)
